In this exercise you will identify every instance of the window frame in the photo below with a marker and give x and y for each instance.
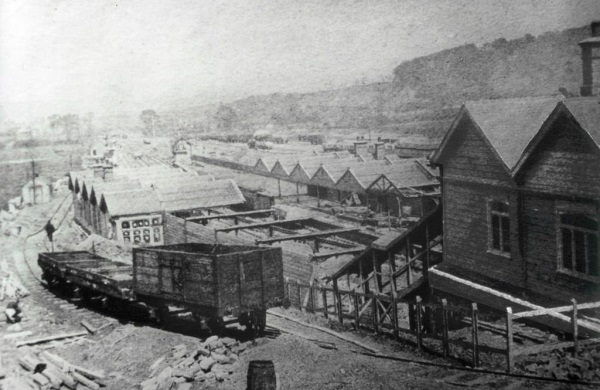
(490, 227)
(588, 209)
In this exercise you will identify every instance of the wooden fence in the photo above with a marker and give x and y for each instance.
(574, 308)
(381, 313)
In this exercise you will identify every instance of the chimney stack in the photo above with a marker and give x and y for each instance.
(588, 46)
(379, 151)
(360, 148)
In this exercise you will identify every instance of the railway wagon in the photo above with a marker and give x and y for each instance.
(217, 284)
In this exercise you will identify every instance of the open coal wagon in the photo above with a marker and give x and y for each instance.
(217, 284)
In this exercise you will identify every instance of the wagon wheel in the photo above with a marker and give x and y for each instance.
(159, 314)
(256, 323)
(162, 315)
(216, 325)
(262, 321)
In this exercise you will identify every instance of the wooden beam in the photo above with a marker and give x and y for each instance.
(232, 215)
(326, 255)
(261, 225)
(307, 236)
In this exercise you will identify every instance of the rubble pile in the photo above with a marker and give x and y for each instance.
(10, 286)
(211, 361)
(560, 364)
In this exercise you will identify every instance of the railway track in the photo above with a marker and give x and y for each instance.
(428, 372)
(45, 312)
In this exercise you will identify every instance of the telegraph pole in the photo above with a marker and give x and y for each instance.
(33, 178)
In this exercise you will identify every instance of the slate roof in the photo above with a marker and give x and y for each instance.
(199, 194)
(586, 112)
(510, 124)
(132, 202)
(411, 175)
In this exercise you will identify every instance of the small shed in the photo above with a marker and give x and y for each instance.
(37, 191)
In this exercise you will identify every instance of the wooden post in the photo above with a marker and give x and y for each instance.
(575, 328)
(392, 260)
(408, 272)
(318, 197)
(236, 220)
(375, 312)
(270, 231)
(298, 292)
(356, 311)
(509, 340)
(279, 185)
(325, 312)
(297, 193)
(316, 244)
(363, 285)
(418, 315)
(427, 253)
(313, 297)
(289, 290)
(395, 317)
(445, 327)
(375, 275)
(475, 327)
(338, 301)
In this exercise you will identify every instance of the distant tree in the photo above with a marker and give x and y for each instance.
(150, 119)
(225, 117)
(72, 126)
(87, 124)
(68, 124)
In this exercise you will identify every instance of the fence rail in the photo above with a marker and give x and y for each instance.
(382, 313)
(426, 320)
(574, 308)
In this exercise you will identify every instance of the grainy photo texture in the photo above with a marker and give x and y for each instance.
(316, 194)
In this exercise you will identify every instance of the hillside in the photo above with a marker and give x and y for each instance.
(527, 66)
(425, 92)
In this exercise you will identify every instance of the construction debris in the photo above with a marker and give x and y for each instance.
(52, 338)
(11, 287)
(50, 371)
(212, 361)
(560, 364)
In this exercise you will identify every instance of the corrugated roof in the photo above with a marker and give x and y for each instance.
(132, 202)
(510, 124)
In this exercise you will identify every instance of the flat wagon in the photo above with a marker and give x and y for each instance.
(218, 284)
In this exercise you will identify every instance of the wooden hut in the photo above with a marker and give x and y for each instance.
(521, 195)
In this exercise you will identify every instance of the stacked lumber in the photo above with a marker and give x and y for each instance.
(50, 371)
(212, 361)
(11, 287)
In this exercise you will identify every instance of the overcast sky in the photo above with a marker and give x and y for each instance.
(61, 56)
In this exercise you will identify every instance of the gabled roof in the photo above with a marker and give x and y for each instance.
(584, 111)
(201, 194)
(507, 125)
(330, 174)
(131, 202)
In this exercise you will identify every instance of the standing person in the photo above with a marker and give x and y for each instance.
(13, 311)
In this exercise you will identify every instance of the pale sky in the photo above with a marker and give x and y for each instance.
(74, 56)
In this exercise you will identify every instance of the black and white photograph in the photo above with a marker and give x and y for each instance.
(311, 195)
